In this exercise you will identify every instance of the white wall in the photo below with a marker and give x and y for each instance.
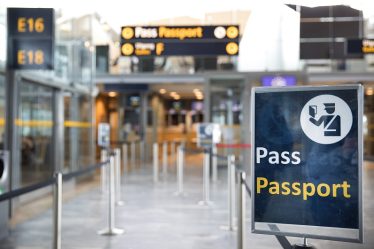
(270, 41)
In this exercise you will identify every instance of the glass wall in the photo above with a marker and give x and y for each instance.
(78, 131)
(35, 123)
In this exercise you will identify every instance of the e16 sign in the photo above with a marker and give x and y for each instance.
(307, 156)
(30, 38)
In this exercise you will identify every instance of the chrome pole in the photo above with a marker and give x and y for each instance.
(214, 163)
(57, 212)
(155, 162)
(165, 159)
(111, 230)
(172, 151)
(180, 169)
(133, 153)
(206, 179)
(241, 239)
(125, 151)
(142, 150)
(118, 176)
(104, 157)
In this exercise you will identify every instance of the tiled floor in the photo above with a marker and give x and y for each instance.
(153, 217)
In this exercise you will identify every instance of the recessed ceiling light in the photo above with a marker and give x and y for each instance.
(162, 91)
(112, 94)
(369, 91)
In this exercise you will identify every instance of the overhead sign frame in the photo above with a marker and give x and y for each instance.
(304, 230)
(163, 40)
(31, 37)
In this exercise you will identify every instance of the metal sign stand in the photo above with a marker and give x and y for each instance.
(303, 246)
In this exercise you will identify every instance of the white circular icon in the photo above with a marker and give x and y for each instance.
(326, 119)
(208, 130)
(220, 32)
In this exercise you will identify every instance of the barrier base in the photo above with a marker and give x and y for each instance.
(181, 194)
(120, 203)
(111, 231)
(205, 203)
(228, 228)
(303, 246)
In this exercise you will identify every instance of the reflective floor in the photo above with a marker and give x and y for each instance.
(153, 217)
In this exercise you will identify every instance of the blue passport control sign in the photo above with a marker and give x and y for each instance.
(307, 160)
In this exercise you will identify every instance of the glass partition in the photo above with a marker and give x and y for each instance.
(35, 123)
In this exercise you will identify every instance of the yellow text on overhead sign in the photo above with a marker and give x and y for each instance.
(30, 25)
(180, 33)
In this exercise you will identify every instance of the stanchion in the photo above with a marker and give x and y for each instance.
(111, 230)
(125, 153)
(142, 152)
(165, 159)
(57, 196)
(180, 167)
(241, 239)
(103, 178)
(214, 163)
(172, 153)
(206, 180)
(231, 192)
(155, 162)
(118, 176)
(133, 153)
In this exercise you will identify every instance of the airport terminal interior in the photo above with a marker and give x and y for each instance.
(188, 125)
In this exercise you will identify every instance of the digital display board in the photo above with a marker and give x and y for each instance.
(360, 46)
(30, 38)
(179, 40)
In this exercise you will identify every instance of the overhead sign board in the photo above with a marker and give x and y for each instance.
(307, 160)
(208, 134)
(360, 46)
(179, 40)
(103, 137)
(30, 38)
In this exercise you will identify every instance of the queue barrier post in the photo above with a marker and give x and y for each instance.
(125, 153)
(172, 151)
(164, 159)
(118, 176)
(103, 176)
(133, 153)
(142, 151)
(180, 169)
(111, 229)
(214, 163)
(57, 210)
(155, 162)
(241, 234)
(206, 180)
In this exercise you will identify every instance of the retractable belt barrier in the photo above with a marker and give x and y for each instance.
(66, 177)
(57, 181)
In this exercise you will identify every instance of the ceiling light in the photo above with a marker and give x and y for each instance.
(200, 97)
(369, 91)
(173, 94)
(177, 97)
(196, 90)
(162, 91)
(112, 94)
